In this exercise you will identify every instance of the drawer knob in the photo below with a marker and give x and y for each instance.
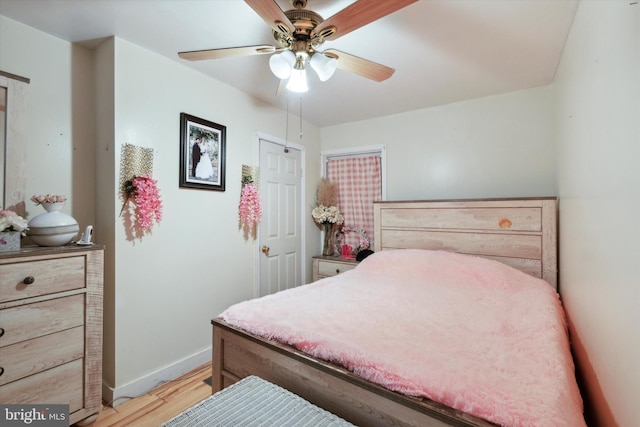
(29, 280)
(1, 371)
(1, 332)
(337, 271)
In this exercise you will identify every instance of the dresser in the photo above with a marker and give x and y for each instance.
(327, 266)
(51, 328)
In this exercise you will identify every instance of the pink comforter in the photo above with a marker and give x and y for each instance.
(468, 332)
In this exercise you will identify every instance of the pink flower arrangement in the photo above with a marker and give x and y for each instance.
(250, 209)
(49, 198)
(143, 190)
(363, 240)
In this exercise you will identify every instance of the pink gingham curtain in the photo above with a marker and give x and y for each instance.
(359, 181)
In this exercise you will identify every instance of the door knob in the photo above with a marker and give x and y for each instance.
(265, 250)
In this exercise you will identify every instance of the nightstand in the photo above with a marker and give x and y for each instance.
(327, 266)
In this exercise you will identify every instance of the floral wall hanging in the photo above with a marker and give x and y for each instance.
(249, 210)
(137, 187)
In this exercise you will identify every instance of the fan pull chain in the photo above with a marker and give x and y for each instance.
(286, 131)
(301, 119)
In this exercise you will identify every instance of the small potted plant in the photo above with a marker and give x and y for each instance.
(12, 226)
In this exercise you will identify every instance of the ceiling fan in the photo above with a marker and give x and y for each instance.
(299, 33)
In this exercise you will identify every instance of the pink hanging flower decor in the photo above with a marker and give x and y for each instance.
(250, 209)
(143, 190)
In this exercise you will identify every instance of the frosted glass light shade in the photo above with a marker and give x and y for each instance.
(282, 63)
(323, 66)
(298, 81)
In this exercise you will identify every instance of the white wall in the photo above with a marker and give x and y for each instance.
(59, 125)
(196, 263)
(598, 120)
(498, 146)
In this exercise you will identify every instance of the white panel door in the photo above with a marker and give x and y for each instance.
(280, 230)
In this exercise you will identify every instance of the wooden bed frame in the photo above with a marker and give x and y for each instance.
(518, 232)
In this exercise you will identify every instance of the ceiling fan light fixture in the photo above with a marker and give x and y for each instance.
(298, 80)
(323, 65)
(282, 63)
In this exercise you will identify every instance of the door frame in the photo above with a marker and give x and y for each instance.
(303, 229)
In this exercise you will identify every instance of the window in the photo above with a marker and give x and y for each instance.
(359, 174)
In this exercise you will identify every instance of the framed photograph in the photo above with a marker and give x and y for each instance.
(202, 153)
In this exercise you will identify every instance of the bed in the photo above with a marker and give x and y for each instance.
(519, 233)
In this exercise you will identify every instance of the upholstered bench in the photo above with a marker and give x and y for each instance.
(251, 402)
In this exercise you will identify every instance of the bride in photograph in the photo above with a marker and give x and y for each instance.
(204, 169)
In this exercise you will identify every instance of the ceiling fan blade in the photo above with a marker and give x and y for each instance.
(363, 67)
(199, 55)
(357, 15)
(271, 13)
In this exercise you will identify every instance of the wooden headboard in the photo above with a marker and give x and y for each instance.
(521, 233)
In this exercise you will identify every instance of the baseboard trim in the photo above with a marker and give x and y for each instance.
(114, 396)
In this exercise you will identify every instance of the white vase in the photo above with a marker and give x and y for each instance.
(53, 228)
(53, 207)
(327, 248)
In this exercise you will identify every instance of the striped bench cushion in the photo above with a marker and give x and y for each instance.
(251, 402)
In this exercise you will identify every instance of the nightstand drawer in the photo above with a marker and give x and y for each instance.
(324, 266)
(41, 318)
(331, 268)
(59, 385)
(35, 278)
(32, 356)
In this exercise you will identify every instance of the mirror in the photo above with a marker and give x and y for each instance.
(13, 141)
(3, 144)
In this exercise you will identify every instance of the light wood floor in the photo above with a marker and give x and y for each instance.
(160, 404)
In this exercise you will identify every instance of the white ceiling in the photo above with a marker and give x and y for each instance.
(443, 50)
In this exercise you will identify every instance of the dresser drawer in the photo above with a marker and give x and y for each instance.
(49, 276)
(42, 318)
(331, 268)
(60, 385)
(39, 354)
